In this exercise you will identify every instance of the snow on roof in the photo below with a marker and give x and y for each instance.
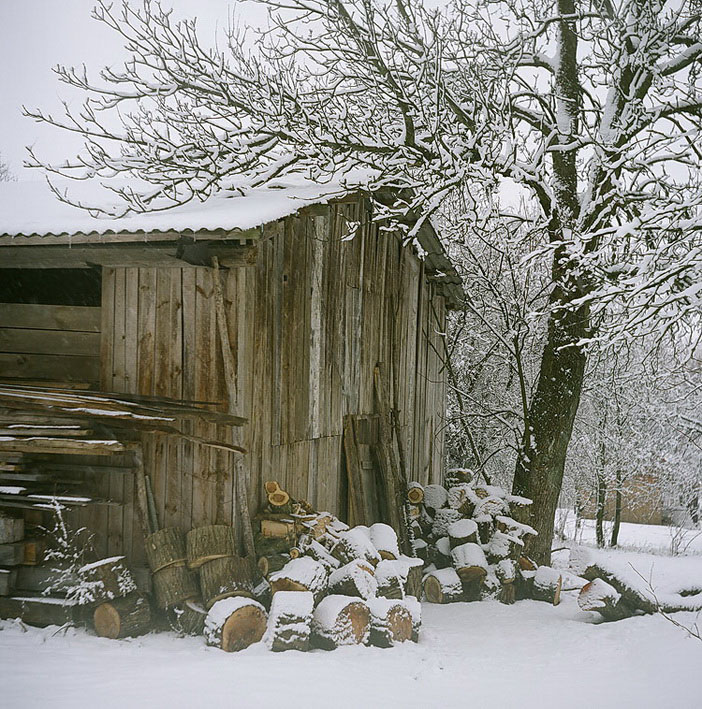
(30, 208)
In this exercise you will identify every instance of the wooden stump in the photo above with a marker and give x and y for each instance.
(355, 544)
(443, 586)
(226, 576)
(303, 574)
(123, 617)
(106, 580)
(546, 585)
(174, 585)
(340, 620)
(234, 623)
(462, 532)
(207, 543)
(390, 622)
(164, 548)
(354, 579)
(187, 618)
(470, 562)
(290, 621)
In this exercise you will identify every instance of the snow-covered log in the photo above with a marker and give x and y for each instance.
(435, 497)
(462, 498)
(390, 622)
(321, 553)
(290, 621)
(415, 608)
(303, 574)
(188, 618)
(340, 620)
(599, 596)
(470, 562)
(389, 580)
(384, 539)
(513, 528)
(440, 553)
(270, 563)
(420, 549)
(506, 572)
(503, 546)
(123, 617)
(106, 580)
(443, 519)
(546, 585)
(355, 544)
(462, 532)
(443, 586)
(357, 578)
(459, 476)
(234, 623)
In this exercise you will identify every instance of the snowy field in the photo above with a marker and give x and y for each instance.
(469, 655)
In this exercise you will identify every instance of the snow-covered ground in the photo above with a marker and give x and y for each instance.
(469, 655)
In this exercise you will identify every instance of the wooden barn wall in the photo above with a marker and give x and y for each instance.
(307, 325)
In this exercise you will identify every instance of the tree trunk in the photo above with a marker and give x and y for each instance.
(600, 514)
(614, 540)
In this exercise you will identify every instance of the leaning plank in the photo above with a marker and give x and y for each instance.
(39, 444)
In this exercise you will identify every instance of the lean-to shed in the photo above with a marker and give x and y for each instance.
(314, 295)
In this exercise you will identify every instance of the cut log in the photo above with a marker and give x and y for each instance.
(506, 572)
(420, 549)
(303, 574)
(340, 620)
(283, 528)
(39, 611)
(164, 548)
(440, 554)
(389, 580)
(390, 622)
(415, 609)
(547, 585)
(459, 476)
(354, 579)
(188, 618)
(512, 527)
(174, 585)
(462, 498)
(503, 546)
(491, 506)
(355, 544)
(599, 596)
(106, 580)
(123, 618)
(443, 586)
(234, 623)
(279, 498)
(270, 564)
(271, 486)
(435, 497)
(207, 543)
(415, 493)
(462, 531)
(384, 539)
(486, 528)
(321, 553)
(470, 562)
(443, 519)
(226, 576)
(290, 621)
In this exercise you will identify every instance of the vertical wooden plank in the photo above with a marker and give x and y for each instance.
(189, 364)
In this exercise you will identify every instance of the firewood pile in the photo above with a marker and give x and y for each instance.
(472, 545)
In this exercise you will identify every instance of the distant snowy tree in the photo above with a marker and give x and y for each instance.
(6, 174)
(593, 107)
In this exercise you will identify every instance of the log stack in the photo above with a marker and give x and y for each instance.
(471, 543)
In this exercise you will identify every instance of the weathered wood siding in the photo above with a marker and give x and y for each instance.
(307, 325)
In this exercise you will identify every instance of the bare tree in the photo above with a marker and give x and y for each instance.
(593, 106)
(6, 174)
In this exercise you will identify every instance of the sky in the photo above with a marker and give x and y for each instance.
(35, 35)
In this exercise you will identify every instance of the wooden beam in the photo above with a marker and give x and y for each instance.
(50, 317)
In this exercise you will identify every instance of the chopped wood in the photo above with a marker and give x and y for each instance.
(226, 576)
(470, 562)
(165, 548)
(279, 498)
(462, 532)
(279, 529)
(384, 539)
(38, 610)
(340, 620)
(415, 493)
(174, 585)
(435, 497)
(356, 578)
(290, 621)
(355, 544)
(271, 563)
(106, 580)
(389, 580)
(188, 618)
(271, 486)
(321, 553)
(462, 498)
(390, 622)
(443, 519)
(123, 617)
(547, 585)
(303, 574)
(209, 542)
(443, 586)
(599, 596)
(234, 623)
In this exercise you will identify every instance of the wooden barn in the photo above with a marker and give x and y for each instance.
(266, 322)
